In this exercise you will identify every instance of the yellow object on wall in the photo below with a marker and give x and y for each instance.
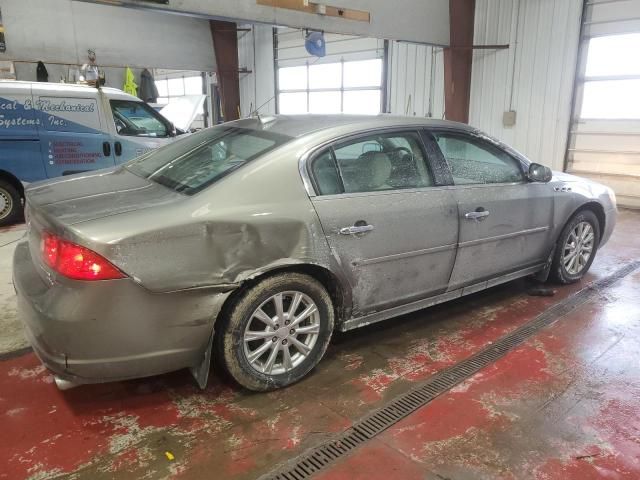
(130, 86)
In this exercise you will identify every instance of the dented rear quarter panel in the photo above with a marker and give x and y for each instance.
(254, 220)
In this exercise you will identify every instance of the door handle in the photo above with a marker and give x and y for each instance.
(106, 149)
(477, 215)
(355, 229)
(118, 148)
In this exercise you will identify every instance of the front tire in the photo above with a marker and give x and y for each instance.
(276, 332)
(576, 248)
(10, 204)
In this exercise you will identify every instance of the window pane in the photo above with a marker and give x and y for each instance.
(326, 175)
(324, 102)
(137, 119)
(193, 86)
(325, 76)
(291, 103)
(292, 78)
(614, 55)
(615, 99)
(362, 102)
(176, 87)
(383, 162)
(161, 85)
(197, 161)
(365, 73)
(472, 161)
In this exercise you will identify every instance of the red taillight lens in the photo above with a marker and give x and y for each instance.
(76, 262)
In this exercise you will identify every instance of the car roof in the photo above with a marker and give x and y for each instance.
(301, 125)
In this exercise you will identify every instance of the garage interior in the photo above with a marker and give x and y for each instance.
(519, 381)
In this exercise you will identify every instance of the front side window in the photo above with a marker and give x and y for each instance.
(473, 161)
(193, 163)
(373, 163)
(137, 119)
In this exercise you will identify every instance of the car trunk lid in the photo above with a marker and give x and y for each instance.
(84, 197)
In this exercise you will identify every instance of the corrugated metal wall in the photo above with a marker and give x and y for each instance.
(607, 150)
(255, 54)
(533, 77)
(415, 80)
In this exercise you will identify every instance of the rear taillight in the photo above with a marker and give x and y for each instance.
(74, 261)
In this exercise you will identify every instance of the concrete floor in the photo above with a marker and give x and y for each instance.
(565, 404)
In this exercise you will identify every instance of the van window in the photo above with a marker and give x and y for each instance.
(137, 119)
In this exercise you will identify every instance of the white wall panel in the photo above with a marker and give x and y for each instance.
(62, 31)
(425, 21)
(255, 53)
(534, 76)
(415, 81)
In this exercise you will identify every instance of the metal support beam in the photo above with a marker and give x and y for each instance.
(225, 47)
(458, 59)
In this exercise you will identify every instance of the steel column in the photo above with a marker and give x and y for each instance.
(457, 60)
(225, 47)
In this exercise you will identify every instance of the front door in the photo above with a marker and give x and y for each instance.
(391, 227)
(505, 221)
(137, 129)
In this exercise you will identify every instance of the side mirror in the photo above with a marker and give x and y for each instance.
(539, 173)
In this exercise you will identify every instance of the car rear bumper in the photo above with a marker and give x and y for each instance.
(91, 332)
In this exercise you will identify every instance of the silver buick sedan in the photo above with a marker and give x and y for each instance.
(252, 241)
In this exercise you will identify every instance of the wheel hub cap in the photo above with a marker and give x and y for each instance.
(281, 333)
(578, 248)
(6, 204)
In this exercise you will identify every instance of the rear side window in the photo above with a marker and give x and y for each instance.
(193, 163)
(473, 161)
(373, 163)
(137, 119)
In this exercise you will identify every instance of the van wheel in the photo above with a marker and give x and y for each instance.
(276, 332)
(10, 204)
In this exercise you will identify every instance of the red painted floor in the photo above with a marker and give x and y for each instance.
(563, 405)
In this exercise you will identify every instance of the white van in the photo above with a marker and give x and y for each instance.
(53, 129)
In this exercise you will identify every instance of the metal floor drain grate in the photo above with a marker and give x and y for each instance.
(317, 458)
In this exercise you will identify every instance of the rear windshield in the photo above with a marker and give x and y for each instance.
(195, 162)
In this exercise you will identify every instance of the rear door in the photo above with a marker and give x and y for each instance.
(387, 217)
(72, 132)
(505, 220)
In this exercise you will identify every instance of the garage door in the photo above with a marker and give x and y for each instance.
(349, 79)
(604, 142)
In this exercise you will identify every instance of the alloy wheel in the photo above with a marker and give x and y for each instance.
(281, 333)
(578, 248)
(6, 204)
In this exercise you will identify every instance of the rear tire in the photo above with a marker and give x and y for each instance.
(10, 204)
(276, 332)
(576, 248)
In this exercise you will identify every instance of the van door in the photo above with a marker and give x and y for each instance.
(19, 141)
(72, 133)
(136, 128)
